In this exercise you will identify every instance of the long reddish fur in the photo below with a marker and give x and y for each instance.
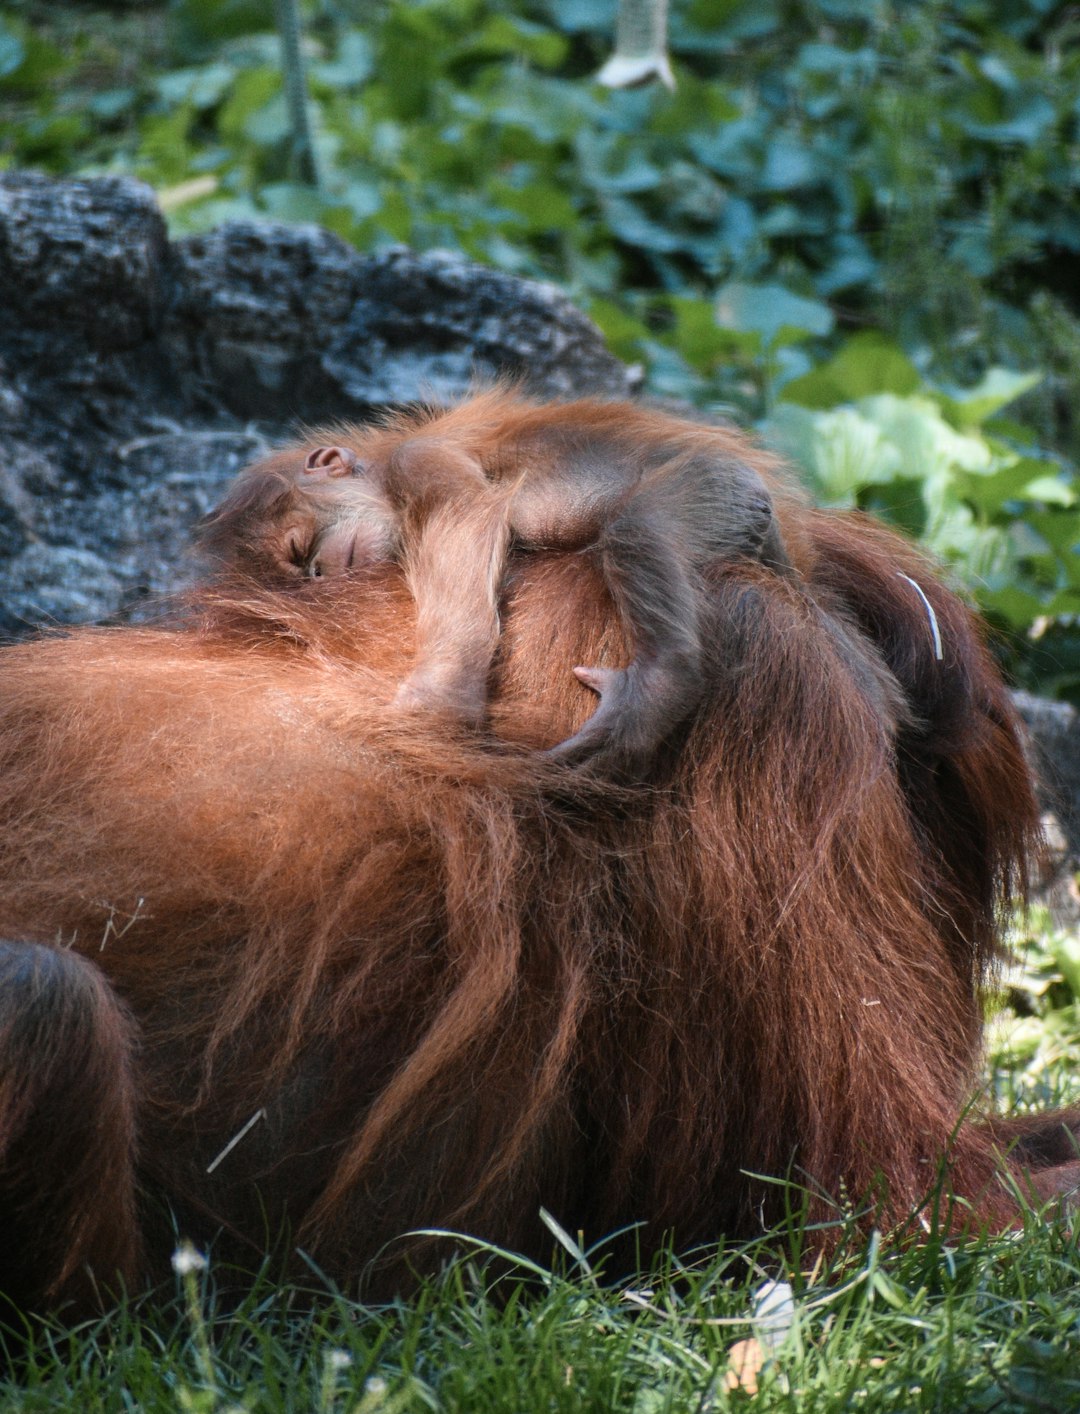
(464, 981)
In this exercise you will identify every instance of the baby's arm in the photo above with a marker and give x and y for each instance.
(655, 531)
(455, 538)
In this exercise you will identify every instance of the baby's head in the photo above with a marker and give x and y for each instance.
(306, 512)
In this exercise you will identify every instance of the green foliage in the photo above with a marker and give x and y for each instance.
(914, 161)
(1034, 1033)
(870, 432)
(907, 167)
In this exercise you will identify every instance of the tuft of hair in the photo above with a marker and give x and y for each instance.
(233, 535)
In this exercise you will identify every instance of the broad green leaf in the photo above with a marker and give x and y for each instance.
(1007, 482)
(670, 375)
(788, 363)
(928, 446)
(868, 363)
(694, 104)
(1059, 530)
(540, 206)
(12, 49)
(1065, 606)
(1016, 605)
(771, 311)
(623, 332)
(202, 87)
(817, 390)
(110, 103)
(352, 65)
(789, 164)
(576, 16)
(27, 60)
(164, 146)
(608, 163)
(699, 338)
(1025, 126)
(291, 201)
(741, 21)
(269, 123)
(853, 267)
(253, 89)
(363, 198)
(998, 387)
(1065, 949)
(1052, 491)
(505, 35)
(211, 21)
(984, 554)
(840, 450)
(633, 226)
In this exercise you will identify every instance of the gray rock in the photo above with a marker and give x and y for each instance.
(83, 257)
(48, 585)
(290, 321)
(1054, 729)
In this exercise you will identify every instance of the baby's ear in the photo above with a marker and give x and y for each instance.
(324, 463)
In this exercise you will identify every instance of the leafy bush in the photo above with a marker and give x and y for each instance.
(1034, 1031)
(869, 431)
(912, 161)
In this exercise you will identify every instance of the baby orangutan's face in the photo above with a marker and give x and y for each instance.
(339, 518)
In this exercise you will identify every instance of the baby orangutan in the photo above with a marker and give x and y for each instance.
(449, 493)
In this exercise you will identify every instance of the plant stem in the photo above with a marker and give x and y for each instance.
(292, 63)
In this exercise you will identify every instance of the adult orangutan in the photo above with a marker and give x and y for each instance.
(287, 957)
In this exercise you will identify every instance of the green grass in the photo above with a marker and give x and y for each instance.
(982, 1324)
(988, 1323)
